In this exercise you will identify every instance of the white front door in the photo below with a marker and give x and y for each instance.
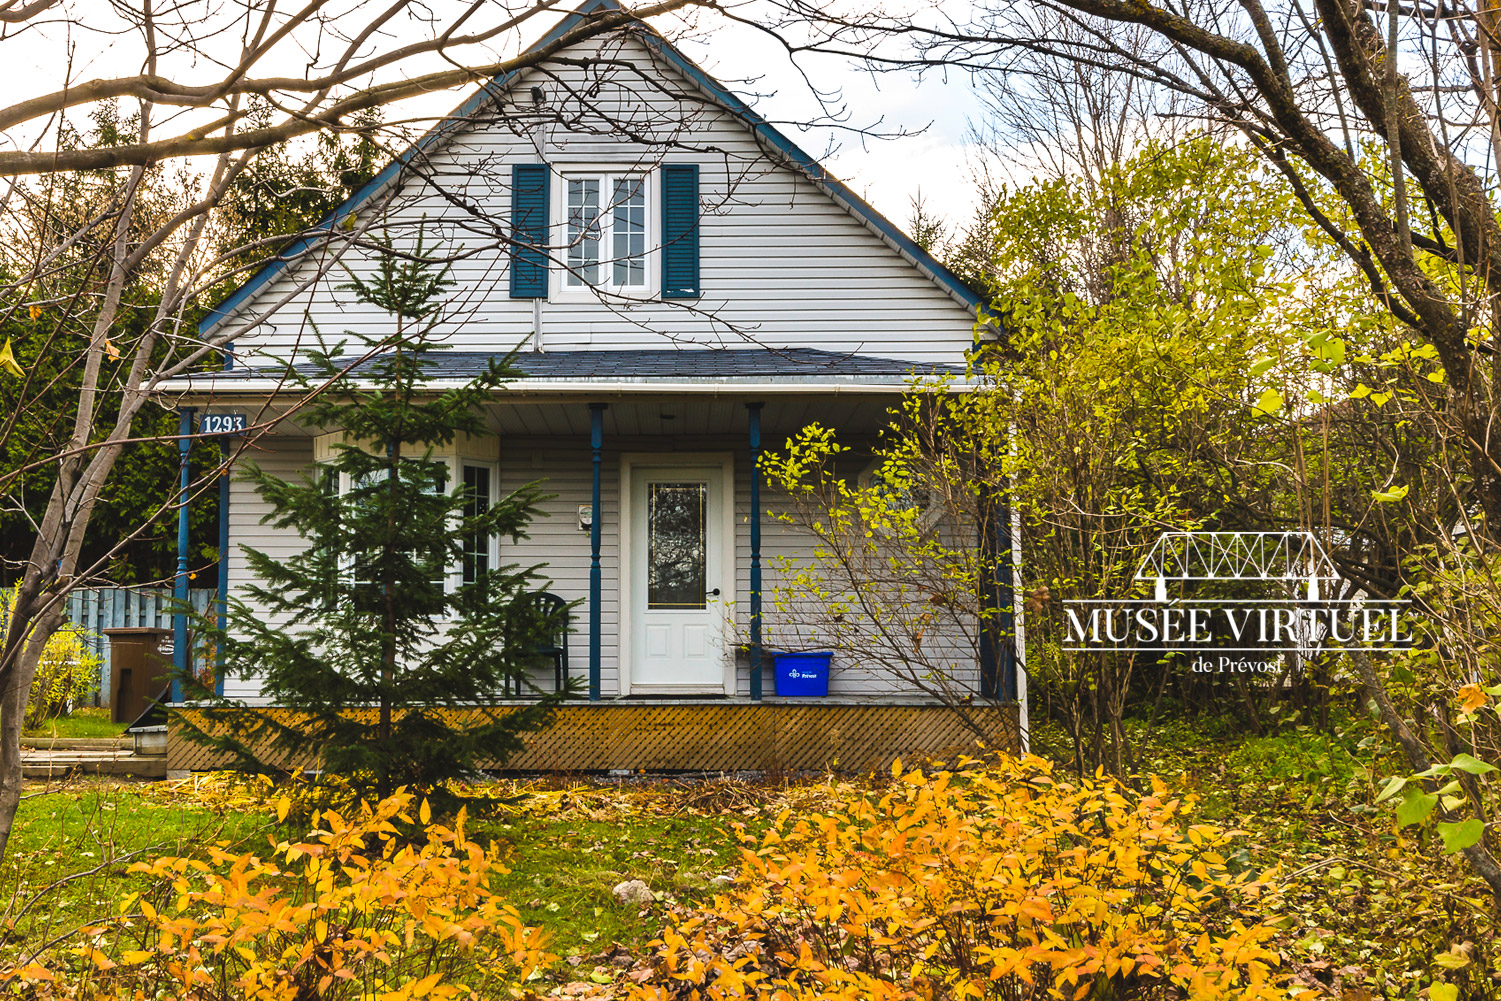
(680, 586)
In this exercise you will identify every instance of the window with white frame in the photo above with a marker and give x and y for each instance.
(605, 231)
(357, 564)
(477, 478)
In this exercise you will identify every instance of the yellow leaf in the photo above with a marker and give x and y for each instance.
(36, 311)
(283, 807)
(1451, 960)
(425, 814)
(8, 361)
(1472, 697)
(134, 957)
(111, 350)
(1269, 402)
(34, 971)
(424, 987)
(1443, 992)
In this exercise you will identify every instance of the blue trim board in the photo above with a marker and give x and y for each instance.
(793, 155)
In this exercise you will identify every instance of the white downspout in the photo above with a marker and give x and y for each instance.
(1019, 624)
(539, 140)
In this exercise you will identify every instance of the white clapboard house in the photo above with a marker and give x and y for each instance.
(729, 292)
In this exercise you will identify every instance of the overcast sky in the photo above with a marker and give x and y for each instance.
(888, 172)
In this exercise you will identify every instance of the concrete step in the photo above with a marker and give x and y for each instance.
(122, 743)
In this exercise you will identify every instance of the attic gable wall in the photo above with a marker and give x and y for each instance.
(782, 263)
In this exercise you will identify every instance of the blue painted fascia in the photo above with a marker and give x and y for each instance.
(793, 154)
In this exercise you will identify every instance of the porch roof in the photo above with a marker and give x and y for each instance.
(680, 369)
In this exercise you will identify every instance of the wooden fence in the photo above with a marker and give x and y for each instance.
(97, 609)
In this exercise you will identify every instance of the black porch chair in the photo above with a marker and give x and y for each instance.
(555, 646)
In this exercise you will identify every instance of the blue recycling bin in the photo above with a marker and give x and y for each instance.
(803, 675)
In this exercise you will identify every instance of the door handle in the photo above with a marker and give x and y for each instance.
(713, 594)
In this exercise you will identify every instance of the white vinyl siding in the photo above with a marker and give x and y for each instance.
(782, 263)
(564, 466)
(278, 455)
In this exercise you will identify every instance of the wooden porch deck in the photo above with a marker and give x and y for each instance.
(735, 735)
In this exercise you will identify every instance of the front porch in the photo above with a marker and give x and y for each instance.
(659, 530)
(733, 735)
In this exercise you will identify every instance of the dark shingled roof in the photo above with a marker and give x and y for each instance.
(653, 364)
(671, 363)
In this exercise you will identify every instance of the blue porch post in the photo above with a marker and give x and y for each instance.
(180, 655)
(228, 447)
(998, 623)
(596, 577)
(1006, 600)
(754, 416)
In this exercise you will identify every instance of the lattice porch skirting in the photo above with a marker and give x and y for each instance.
(731, 736)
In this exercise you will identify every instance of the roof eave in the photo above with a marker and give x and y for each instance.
(195, 391)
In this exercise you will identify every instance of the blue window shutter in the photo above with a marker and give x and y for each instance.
(529, 202)
(680, 231)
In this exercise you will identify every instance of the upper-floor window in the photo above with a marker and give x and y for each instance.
(605, 231)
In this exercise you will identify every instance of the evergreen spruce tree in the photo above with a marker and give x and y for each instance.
(384, 669)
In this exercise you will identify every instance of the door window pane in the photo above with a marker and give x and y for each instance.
(675, 545)
(583, 231)
(629, 232)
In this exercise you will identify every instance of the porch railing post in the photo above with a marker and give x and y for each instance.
(223, 602)
(998, 622)
(596, 575)
(180, 655)
(756, 656)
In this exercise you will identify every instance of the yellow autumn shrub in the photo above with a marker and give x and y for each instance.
(995, 880)
(67, 671)
(355, 911)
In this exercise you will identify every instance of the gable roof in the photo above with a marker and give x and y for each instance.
(772, 140)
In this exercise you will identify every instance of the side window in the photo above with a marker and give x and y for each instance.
(904, 492)
(357, 568)
(479, 554)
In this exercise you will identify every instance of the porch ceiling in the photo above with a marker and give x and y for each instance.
(665, 415)
(684, 416)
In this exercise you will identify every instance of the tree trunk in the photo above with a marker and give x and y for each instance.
(1478, 855)
(14, 688)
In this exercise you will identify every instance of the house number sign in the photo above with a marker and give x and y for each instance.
(222, 424)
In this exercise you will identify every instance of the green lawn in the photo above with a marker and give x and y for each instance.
(567, 849)
(80, 723)
(1361, 906)
(565, 865)
(66, 862)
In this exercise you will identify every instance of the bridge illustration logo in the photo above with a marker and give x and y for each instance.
(1239, 602)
